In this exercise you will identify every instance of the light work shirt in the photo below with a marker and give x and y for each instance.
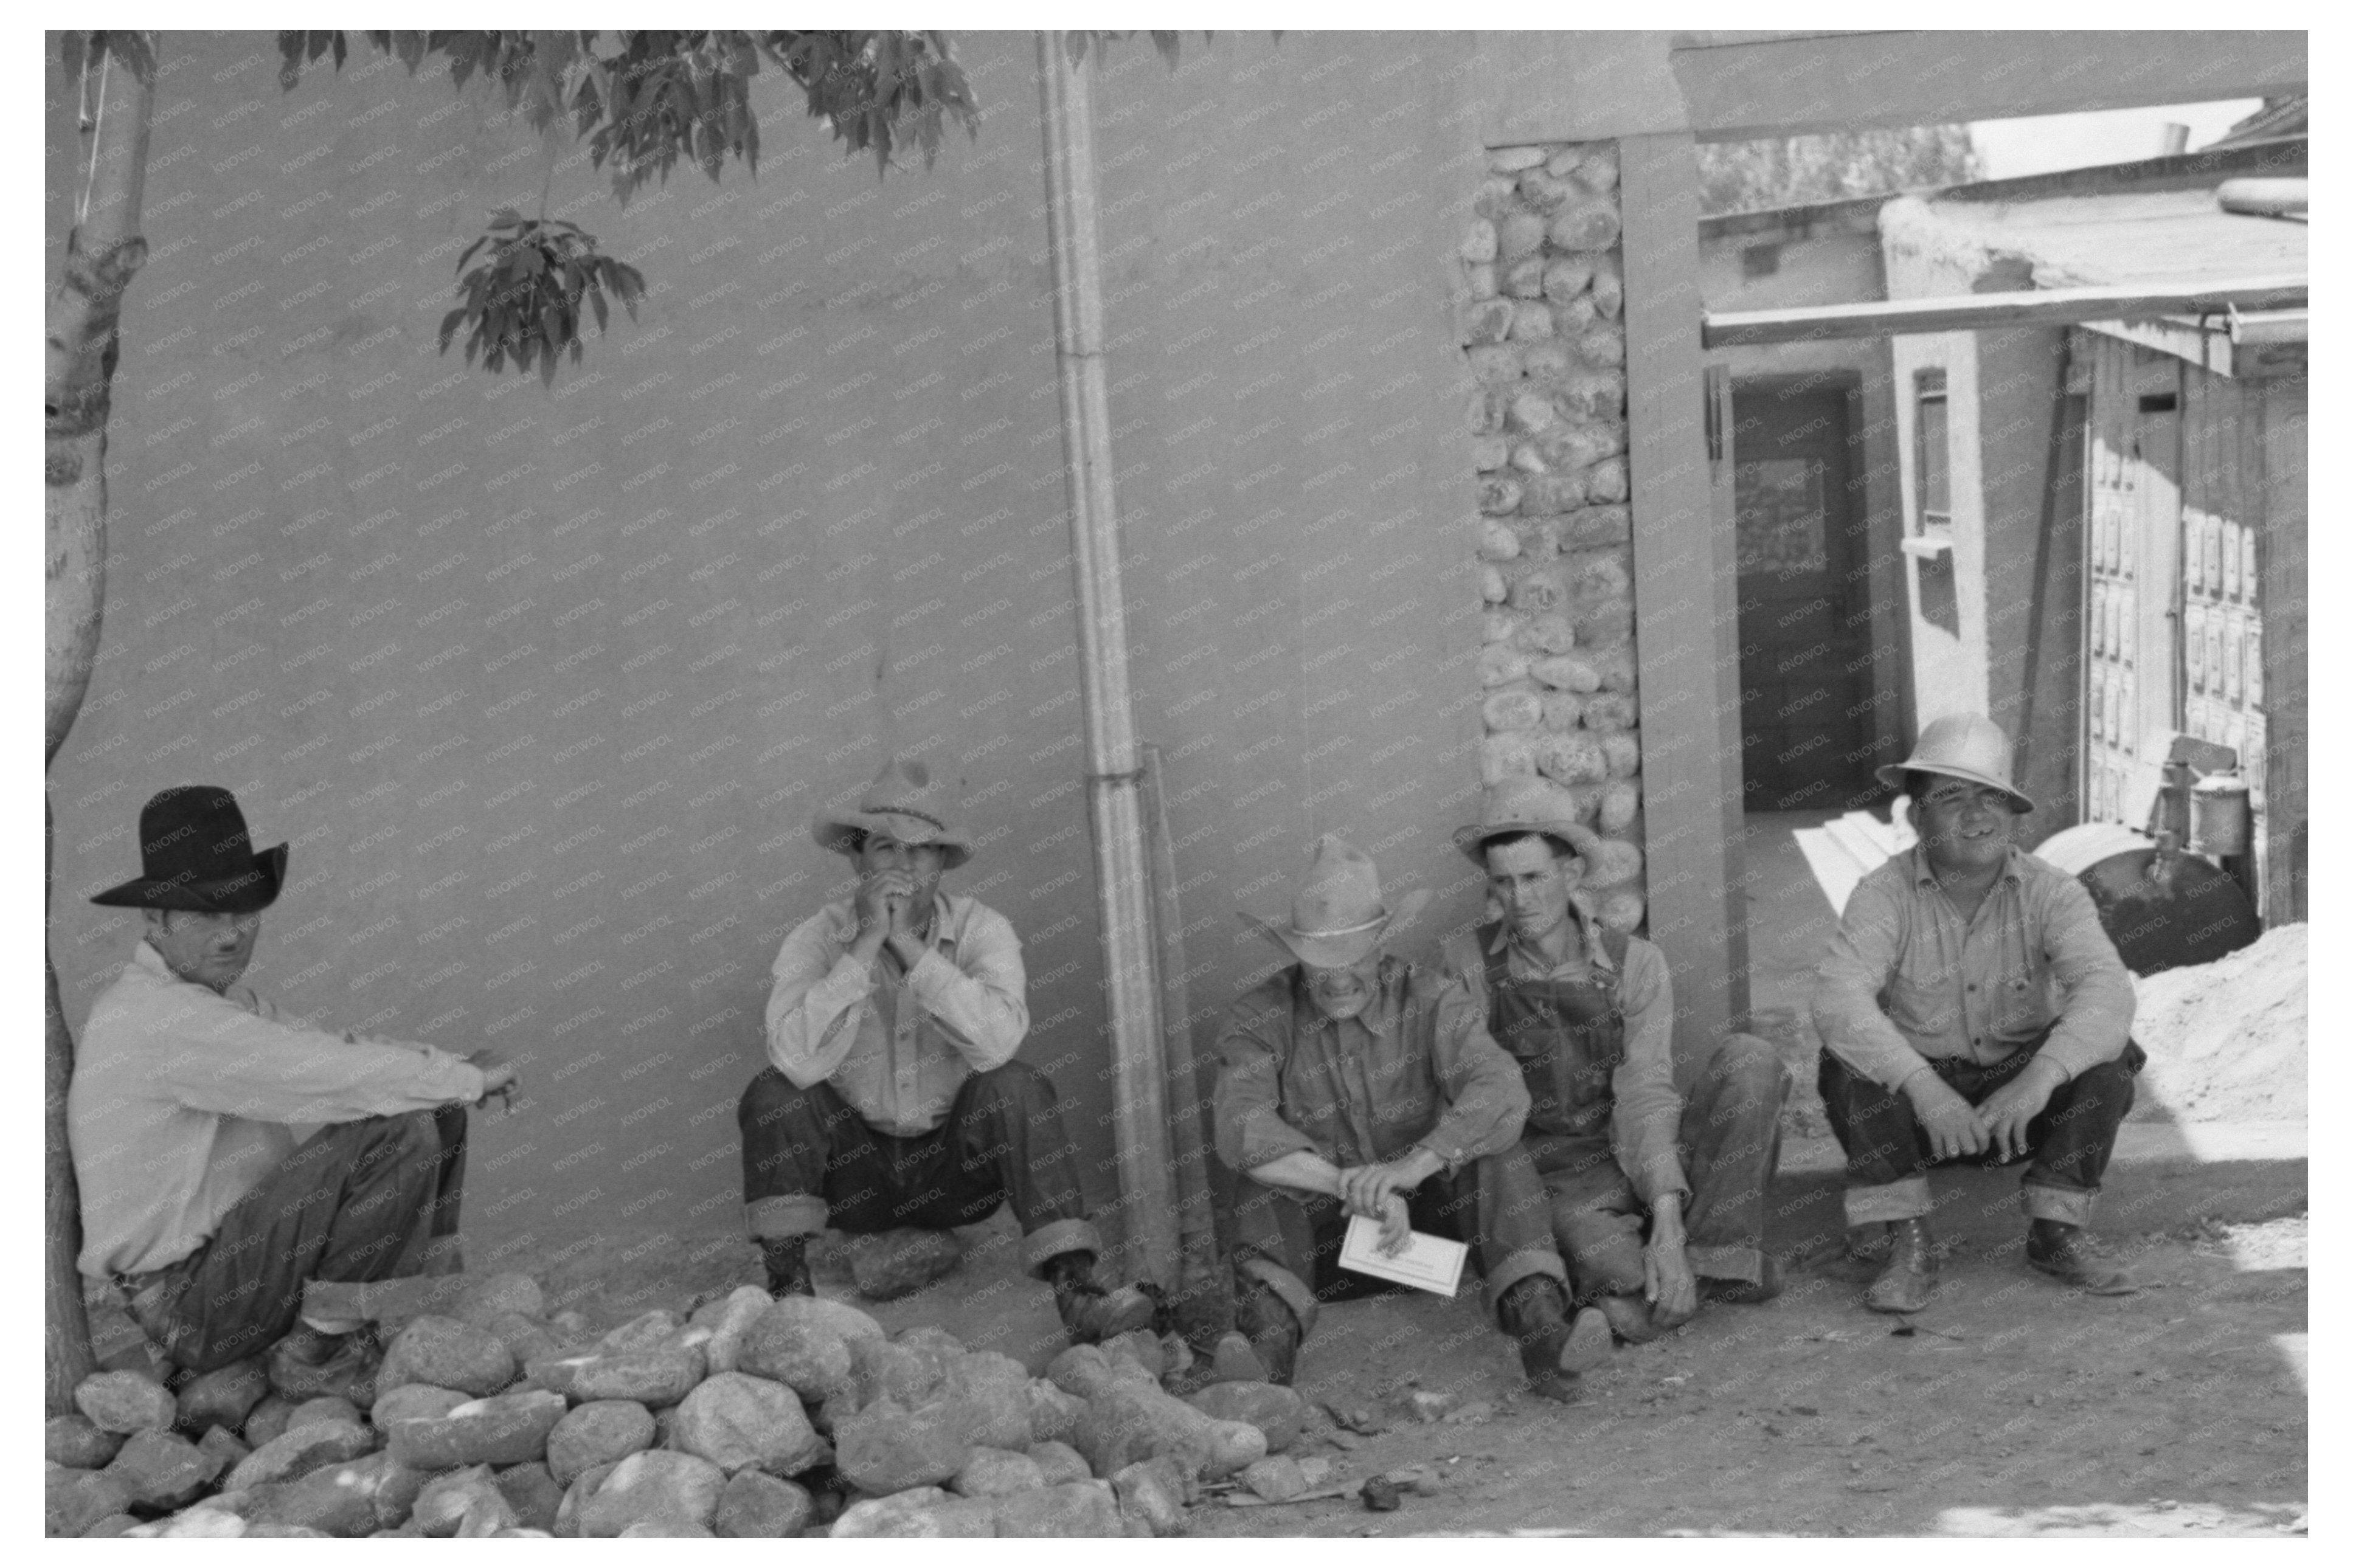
(184, 1097)
(1906, 979)
(1645, 1113)
(897, 1043)
(1416, 1069)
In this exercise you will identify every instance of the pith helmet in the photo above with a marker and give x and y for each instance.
(901, 802)
(1962, 746)
(1526, 805)
(1337, 915)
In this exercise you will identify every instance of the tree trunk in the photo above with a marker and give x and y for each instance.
(102, 251)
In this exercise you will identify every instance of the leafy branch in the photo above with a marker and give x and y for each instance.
(523, 304)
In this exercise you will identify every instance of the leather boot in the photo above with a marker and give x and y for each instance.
(1903, 1286)
(787, 1258)
(2067, 1253)
(1089, 1313)
(1629, 1318)
(1534, 1314)
(1273, 1331)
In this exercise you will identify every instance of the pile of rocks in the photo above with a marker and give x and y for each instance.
(1547, 350)
(746, 1417)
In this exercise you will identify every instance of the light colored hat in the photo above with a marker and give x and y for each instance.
(1526, 805)
(1963, 746)
(1337, 915)
(901, 802)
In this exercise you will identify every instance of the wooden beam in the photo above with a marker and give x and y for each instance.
(1978, 312)
(1786, 87)
(1686, 630)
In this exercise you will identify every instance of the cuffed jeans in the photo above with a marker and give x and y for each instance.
(1291, 1240)
(810, 1160)
(1888, 1155)
(355, 1202)
(1730, 1143)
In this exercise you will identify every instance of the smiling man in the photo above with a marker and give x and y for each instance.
(242, 1172)
(1655, 1201)
(1352, 1084)
(1971, 1007)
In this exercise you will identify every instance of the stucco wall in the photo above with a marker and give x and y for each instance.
(544, 686)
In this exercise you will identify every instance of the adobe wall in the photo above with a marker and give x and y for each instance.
(544, 685)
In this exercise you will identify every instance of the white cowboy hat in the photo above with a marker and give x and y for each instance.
(901, 802)
(1337, 915)
(1526, 805)
(1964, 746)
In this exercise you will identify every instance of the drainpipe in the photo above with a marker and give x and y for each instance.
(1115, 777)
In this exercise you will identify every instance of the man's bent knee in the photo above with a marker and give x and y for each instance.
(768, 1095)
(1017, 1082)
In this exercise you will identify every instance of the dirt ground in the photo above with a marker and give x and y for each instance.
(2015, 1408)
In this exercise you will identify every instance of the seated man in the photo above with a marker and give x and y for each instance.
(1588, 1015)
(1972, 1006)
(1352, 1083)
(211, 1194)
(893, 1098)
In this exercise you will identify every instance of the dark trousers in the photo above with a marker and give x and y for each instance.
(1730, 1145)
(1888, 1155)
(355, 1202)
(810, 1161)
(1290, 1240)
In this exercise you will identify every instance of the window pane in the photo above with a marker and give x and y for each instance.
(1935, 479)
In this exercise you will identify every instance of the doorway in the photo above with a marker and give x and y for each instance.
(1807, 726)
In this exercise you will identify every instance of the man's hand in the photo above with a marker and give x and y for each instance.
(498, 1078)
(1370, 1190)
(1952, 1123)
(1668, 1284)
(881, 897)
(2008, 1110)
(1396, 1227)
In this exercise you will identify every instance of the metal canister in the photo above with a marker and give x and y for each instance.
(2218, 814)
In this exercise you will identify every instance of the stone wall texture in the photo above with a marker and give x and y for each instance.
(1543, 329)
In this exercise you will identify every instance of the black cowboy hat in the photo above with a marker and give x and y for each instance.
(196, 854)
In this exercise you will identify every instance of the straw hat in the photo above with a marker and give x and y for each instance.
(1963, 746)
(901, 802)
(1337, 915)
(1526, 805)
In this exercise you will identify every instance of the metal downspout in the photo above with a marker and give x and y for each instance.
(1124, 890)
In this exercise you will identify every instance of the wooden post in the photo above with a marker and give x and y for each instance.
(1686, 625)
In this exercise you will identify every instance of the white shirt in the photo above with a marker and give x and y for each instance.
(183, 1098)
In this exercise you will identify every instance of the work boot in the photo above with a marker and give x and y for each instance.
(310, 1364)
(1903, 1286)
(787, 1258)
(1271, 1332)
(1534, 1314)
(1089, 1313)
(2067, 1253)
(1742, 1292)
(1628, 1319)
(1867, 1243)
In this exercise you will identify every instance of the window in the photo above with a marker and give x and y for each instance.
(1759, 260)
(1933, 455)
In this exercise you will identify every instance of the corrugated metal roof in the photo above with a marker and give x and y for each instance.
(2173, 235)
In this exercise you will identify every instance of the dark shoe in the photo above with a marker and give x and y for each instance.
(1904, 1285)
(309, 1365)
(787, 1262)
(1089, 1313)
(2067, 1253)
(1534, 1313)
(1628, 1319)
(1269, 1334)
(1742, 1292)
(1867, 1243)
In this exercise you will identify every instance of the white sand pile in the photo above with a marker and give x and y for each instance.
(2226, 1040)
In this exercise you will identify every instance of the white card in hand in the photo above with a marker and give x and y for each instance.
(1428, 1262)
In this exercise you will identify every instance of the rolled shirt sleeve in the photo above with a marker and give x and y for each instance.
(1862, 958)
(980, 1001)
(1488, 1102)
(1647, 1113)
(2096, 1018)
(1246, 1108)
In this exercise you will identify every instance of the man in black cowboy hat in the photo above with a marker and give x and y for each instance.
(213, 1197)
(1352, 1084)
(892, 1099)
(1971, 1007)
(1655, 1201)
